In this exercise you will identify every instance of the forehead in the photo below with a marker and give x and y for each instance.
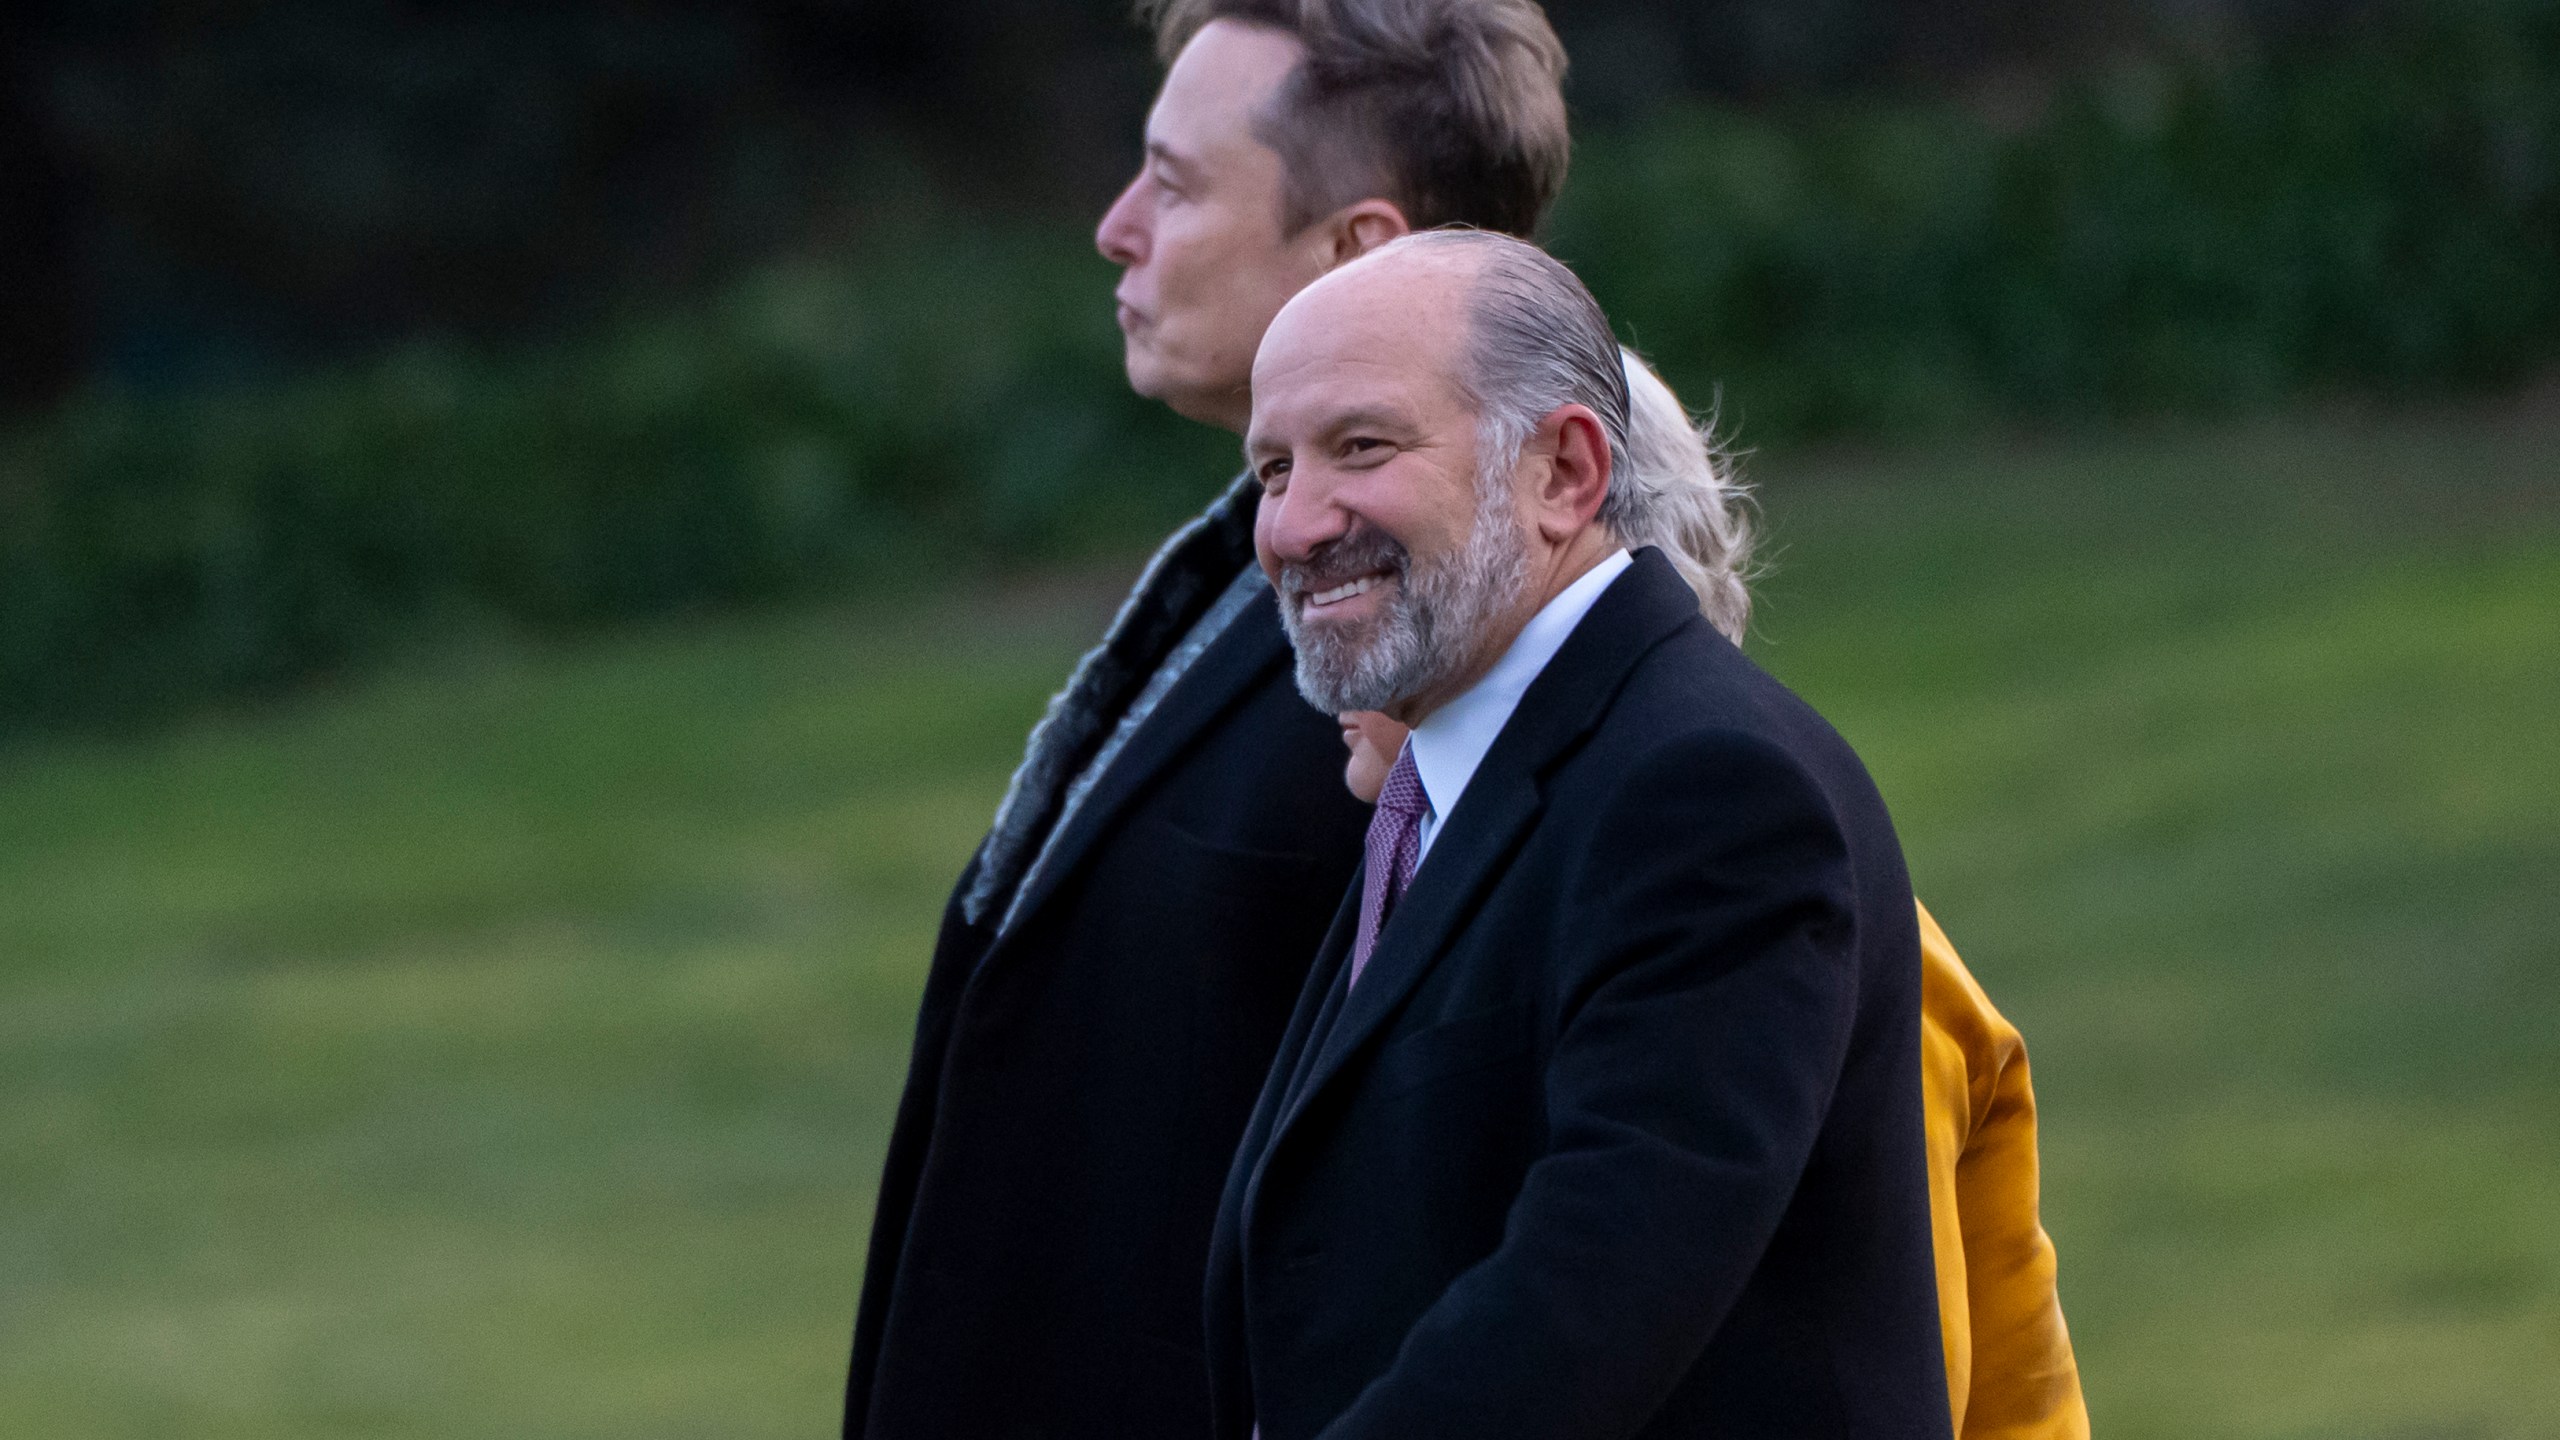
(1365, 340)
(1217, 85)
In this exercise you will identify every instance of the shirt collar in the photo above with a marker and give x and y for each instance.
(1451, 741)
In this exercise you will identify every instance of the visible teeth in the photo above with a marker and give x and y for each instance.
(1360, 586)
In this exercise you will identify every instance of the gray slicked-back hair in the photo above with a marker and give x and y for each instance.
(1680, 492)
(1535, 340)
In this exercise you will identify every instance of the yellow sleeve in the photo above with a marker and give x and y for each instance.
(1947, 1112)
(2010, 1371)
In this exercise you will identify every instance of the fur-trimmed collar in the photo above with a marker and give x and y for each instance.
(1193, 567)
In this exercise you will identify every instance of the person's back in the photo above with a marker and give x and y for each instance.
(2011, 1374)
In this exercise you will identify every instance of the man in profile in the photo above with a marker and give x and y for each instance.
(1118, 960)
(1600, 1114)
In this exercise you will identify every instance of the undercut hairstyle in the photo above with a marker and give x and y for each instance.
(1452, 110)
(1684, 496)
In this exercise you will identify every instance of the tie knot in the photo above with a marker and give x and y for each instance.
(1402, 794)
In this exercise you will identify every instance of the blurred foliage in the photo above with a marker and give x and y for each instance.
(196, 190)
(2189, 237)
(922, 407)
(2384, 212)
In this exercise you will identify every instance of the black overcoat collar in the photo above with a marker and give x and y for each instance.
(1638, 611)
(1234, 663)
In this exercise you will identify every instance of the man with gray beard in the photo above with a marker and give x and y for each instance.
(1599, 1114)
(1419, 635)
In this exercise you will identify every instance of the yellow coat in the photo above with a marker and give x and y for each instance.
(2010, 1372)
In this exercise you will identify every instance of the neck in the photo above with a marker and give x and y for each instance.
(1230, 410)
(1571, 561)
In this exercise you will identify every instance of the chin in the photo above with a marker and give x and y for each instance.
(1189, 395)
(1146, 375)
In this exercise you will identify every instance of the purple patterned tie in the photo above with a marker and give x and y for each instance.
(1395, 846)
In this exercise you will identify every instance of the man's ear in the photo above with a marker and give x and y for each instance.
(1360, 227)
(1568, 496)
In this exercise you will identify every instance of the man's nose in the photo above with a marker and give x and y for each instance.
(1302, 519)
(1122, 235)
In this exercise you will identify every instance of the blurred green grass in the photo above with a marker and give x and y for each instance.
(505, 1046)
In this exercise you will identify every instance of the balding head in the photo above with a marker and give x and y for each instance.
(1434, 425)
(1524, 338)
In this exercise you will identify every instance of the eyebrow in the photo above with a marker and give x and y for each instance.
(1361, 417)
(1367, 417)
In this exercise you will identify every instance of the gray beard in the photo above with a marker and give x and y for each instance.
(1431, 630)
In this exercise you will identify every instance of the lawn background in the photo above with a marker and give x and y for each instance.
(504, 1044)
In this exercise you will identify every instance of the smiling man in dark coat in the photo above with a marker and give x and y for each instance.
(1600, 1113)
(1118, 960)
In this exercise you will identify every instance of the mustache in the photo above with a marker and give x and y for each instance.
(1364, 551)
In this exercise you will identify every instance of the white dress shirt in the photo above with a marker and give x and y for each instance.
(1451, 741)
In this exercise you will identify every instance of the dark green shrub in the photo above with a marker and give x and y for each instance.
(2383, 214)
(905, 415)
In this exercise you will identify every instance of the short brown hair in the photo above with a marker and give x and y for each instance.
(1452, 109)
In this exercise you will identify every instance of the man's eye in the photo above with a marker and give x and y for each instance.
(1363, 445)
(1271, 473)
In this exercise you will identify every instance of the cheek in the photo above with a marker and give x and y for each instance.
(1264, 515)
(1382, 507)
(1229, 277)
(1191, 253)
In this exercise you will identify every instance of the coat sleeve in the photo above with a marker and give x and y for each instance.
(2025, 1380)
(1707, 1002)
(1951, 1039)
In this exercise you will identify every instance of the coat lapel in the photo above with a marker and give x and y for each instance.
(1189, 570)
(1240, 658)
(1319, 1006)
(1502, 802)
(1463, 862)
